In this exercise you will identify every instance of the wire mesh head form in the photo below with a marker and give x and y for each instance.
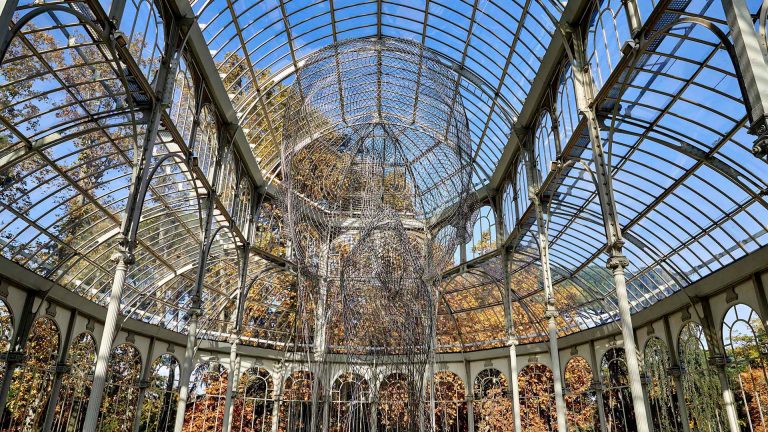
(376, 158)
(372, 126)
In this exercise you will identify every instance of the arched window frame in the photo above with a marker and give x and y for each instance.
(580, 401)
(207, 394)
(483, 233)
(745, 342)
(159, 409)
(509, 206)
(608, 31)
(617, 398)
(143, 25)
(661, 392)
(34, 377)
(393, 396)
(521, 184)
(450, 401)
(537, 397)
(545, 145)
(296, 403)
(350, 396)
(701, 386)
(184, 100)
(567, 108)
(254, 401)
(122, 392)
(76, 384)
(207, 141)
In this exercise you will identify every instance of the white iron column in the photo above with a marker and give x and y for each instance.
(280, 374)
(546, 277)
(470, 397)
(617, 262)
(719, 360)
(232, 383)
(186, 367)
(130, 223)
(105, 345)
(514, 386)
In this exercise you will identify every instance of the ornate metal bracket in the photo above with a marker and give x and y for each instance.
(13, 357)
(675, 371)
(719, 360)
(760, 129)
(61, 368)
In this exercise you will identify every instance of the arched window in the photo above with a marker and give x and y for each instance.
(450, 402)
(745, 342)
(76, 385)
(617, 400)
(523, 201)
(492, 404)
(207, 141)
(483, 233)
(567, 109)
(242, 211)
(144, 27)
(253, 406)
(700, 383)
(394, 398)
(268, 234)
(184, 101)
(545, 150)
(159, 410)
(537, 401)
(227, 182)
(207, 393)
(33, 379)
(509, 203)
(580, 403)
(296, 405)
(661, 390)
(607, 33)
(122, 392)
(349, 397)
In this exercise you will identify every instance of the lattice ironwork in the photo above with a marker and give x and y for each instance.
(377, 195)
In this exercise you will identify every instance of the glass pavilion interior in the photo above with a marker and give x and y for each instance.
(384, 215)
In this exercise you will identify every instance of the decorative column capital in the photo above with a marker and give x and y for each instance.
(617, 261)
(596, 386)
(123, 253)
(675, 371)
(512, 341)
(645, 379)
(196, 310)
(13, 357)
(61, 368)
(551, 311)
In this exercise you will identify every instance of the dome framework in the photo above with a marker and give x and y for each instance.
(141, 173)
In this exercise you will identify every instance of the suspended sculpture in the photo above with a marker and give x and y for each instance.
(377, 194)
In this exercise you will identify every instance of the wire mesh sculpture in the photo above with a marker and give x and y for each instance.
(376, 195)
